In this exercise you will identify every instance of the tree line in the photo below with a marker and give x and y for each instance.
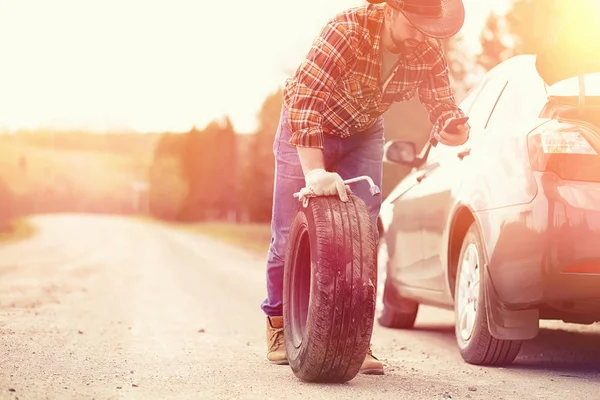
(214, 172)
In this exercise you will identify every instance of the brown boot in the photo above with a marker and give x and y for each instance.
(275, 344)
(371, 365)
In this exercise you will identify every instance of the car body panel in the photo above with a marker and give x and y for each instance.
(540, 242)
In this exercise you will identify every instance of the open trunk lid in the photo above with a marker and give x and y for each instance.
(572, 47)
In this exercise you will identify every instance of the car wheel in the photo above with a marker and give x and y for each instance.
(477, 345)
(329, 289)
(393, 310)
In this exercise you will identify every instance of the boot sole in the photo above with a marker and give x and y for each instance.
(372, 371)
(282, 362)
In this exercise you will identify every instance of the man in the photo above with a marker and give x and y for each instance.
(331, 127)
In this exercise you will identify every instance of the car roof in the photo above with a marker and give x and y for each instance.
(525, 91)
(520, 67)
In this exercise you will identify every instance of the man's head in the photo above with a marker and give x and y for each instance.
(400, 36)
(409, 22)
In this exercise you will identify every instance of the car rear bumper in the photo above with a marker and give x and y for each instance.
(548, 250)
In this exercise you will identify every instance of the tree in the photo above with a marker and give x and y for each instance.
(209, 168)
(527, 22)
(521, 31)
(494, 50)
(458, 63)
(168, 188)
(257, 182)
(6, 206)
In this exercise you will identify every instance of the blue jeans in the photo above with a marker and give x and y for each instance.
(359, 154)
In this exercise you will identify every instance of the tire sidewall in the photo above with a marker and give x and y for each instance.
(300, 225)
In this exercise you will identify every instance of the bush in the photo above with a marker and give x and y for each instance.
(6, 206)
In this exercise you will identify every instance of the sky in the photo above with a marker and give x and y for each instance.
(159, 65)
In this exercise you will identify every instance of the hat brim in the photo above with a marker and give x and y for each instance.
(448, 24)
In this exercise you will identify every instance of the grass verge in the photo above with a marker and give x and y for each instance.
(16, 230)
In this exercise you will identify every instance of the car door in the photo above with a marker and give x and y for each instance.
(404, 238)
(406, 231)
(446, 168)
(433, 194)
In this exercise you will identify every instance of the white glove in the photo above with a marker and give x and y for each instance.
(322, 183)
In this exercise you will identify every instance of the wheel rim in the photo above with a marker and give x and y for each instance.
(382, 261)
(468, 293)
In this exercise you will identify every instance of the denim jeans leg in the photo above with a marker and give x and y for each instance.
(362, 154)
(289, 179)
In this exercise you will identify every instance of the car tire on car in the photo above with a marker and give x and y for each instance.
(329, 289)
(477, 345)
(394, 311)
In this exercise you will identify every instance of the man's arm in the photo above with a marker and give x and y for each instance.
(435, 93)
(311, 158)
(310, 90)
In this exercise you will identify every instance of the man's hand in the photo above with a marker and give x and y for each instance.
(455, 138)
(322, 183)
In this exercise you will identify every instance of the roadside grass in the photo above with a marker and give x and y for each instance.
(16, 230)
(71, 179)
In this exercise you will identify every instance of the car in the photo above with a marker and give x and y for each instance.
(505, 229)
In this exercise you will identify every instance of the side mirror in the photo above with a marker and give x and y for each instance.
(401, 152)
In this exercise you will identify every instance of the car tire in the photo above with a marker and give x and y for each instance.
(329, 289)
(395, 311)
(476, 343)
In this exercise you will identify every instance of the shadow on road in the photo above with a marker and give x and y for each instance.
(558, 350)
(562, 351)
(443, 330)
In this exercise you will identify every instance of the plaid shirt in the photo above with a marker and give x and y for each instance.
(337, 89)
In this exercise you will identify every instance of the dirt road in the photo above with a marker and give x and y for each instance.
(110, 308)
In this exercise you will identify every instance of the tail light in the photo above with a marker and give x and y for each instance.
(566, 150)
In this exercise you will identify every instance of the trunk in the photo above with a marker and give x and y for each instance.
(568, 108)
(571, 48)
(569, 63)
